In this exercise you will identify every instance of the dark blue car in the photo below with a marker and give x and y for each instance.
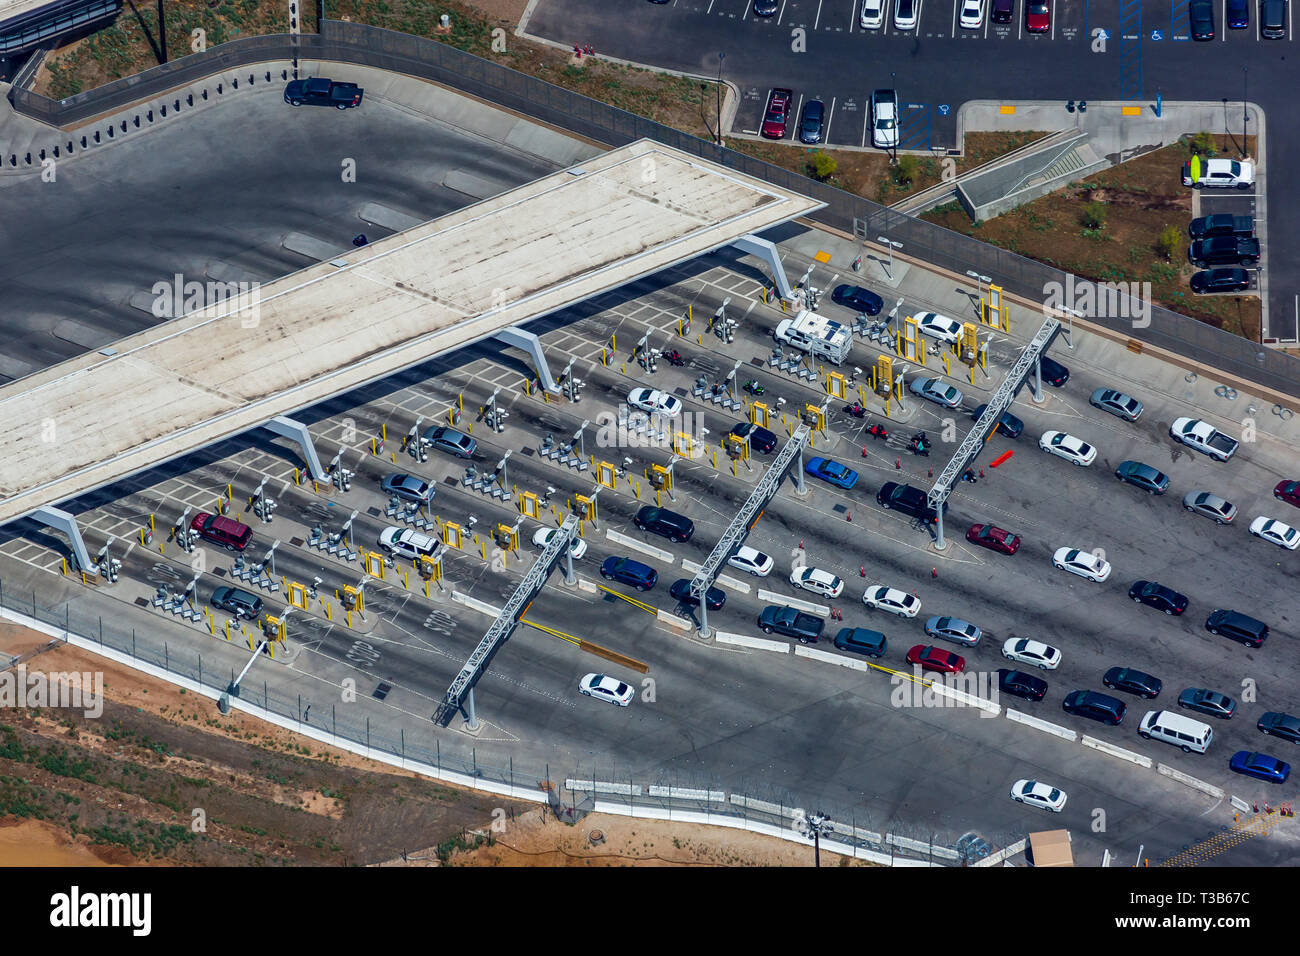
(841, 476)
(1238, 14)
(1260, 766)
(681, 591)
(626, 571)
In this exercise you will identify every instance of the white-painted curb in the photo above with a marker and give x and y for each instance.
(772, 597)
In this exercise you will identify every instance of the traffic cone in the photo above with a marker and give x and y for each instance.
(862, 570)
(934, 572)
(848, 516)
(801, 544)
(864, 451)
(929, 472)
(898, 463)
(981, 472)
(1257, 806)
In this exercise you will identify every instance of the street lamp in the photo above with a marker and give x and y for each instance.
(721, 57)
(1244, 89)
(815, 823)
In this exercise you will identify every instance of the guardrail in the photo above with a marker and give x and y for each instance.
(428, 59)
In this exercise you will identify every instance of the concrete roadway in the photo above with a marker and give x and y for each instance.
(834, 735)
(940, 66)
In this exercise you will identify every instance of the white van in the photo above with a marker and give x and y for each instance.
(1191, 735)
(817, 335)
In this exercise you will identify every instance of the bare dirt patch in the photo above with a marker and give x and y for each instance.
(1140, 199)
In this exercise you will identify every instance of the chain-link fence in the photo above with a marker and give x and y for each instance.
(429, 59)
(686, 795)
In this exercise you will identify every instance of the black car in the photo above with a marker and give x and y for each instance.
(791, 623)
(1158, 596)
(668, 524)
(1054, 373)
(1238, 14)
(1272, 19)
(1003, 10)
(1133, 681)
(859, 640)
(1201, 15)
(1020, 684)
(1209, 702)
(1008, 424)
(1220, 224)
(762, 8)
(627, 571)
(1280, 725)
(760, 439)
(237, 602)
(910, 501)
(857, 298)
(1238, 626)
(1220, 280)
(1095, 706)
(681, 591)
(812, 119)
(1224, 251)
(1139, 475)
(319, 91)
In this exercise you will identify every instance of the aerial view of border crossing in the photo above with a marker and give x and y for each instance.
(669, 434)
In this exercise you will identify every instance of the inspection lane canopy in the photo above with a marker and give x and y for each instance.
(195, 380)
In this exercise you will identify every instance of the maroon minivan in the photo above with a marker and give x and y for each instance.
(219, 529)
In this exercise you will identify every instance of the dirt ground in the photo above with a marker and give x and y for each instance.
(1140, 198)
(536, 839)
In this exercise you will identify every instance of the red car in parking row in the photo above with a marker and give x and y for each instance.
(777, 113)
(1038, 16)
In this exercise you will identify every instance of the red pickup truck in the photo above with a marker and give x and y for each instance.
(777, 113)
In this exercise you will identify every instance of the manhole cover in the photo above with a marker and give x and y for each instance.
(528, 451)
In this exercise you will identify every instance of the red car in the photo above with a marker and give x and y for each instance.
(778, 112)
(227, 532)
(993, 538)
(1288, 491)
(933, 658)
(1038, 16)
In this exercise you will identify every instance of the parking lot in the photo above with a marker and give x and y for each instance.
(746, 718)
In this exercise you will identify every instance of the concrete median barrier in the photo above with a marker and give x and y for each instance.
(757, 643)
(1119, 752)
(1038, 724)
(1168, 771)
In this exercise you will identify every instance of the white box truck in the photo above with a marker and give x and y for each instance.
(817, 335)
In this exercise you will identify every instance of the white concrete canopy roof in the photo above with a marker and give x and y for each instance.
(195, 380)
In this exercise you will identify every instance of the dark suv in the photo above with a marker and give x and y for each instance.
(665, 523)
(1133, 681)
(859, 640)
(626, 571)
(1054, 373)
(857, 298)
(1238, 626)
(910, 501)
(227, 532)
(237, 602)
(1003, 10)
(1095, 706)
(1272, 19)
(1224, 251)
(1220, 280)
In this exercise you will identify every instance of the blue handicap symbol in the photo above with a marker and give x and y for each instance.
(1157, 35)
(943, 109)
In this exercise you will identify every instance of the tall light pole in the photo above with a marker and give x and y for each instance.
(815, 823)
(721, 57)
(1244, 93)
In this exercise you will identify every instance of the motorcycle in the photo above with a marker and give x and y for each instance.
(878, 431)
(856, 410)
(753, 387)
(674, 358)
(920, 444)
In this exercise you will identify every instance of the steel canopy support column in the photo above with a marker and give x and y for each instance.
(767, 252)
(704, 630)
(60, 520)
(939, 543)
(296, 431)
(1036, 382)
(569, 577)
(798, 475)
(471, 719)
(531, 344)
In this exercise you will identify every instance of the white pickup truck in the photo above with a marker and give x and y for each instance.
(1204, 437)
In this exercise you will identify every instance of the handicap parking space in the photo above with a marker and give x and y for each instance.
(914, 126)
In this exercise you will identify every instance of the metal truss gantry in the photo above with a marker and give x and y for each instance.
(746, 518)
(501, 629)
(999, 402)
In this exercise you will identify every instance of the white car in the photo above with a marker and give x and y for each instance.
(1282, 535)
(937, 391)
(873, 14)
(1042, 795)
(577, 547)
(939, 327)
(972, 14)
(884, 119)
(655, 402)
(1074, 450)
(752, 560)
(407, 543)
(1083, 563)
(606, 688)
(906, 13)
(1035, 653)
(1204, 437)
(818, 581)
(892, 600)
